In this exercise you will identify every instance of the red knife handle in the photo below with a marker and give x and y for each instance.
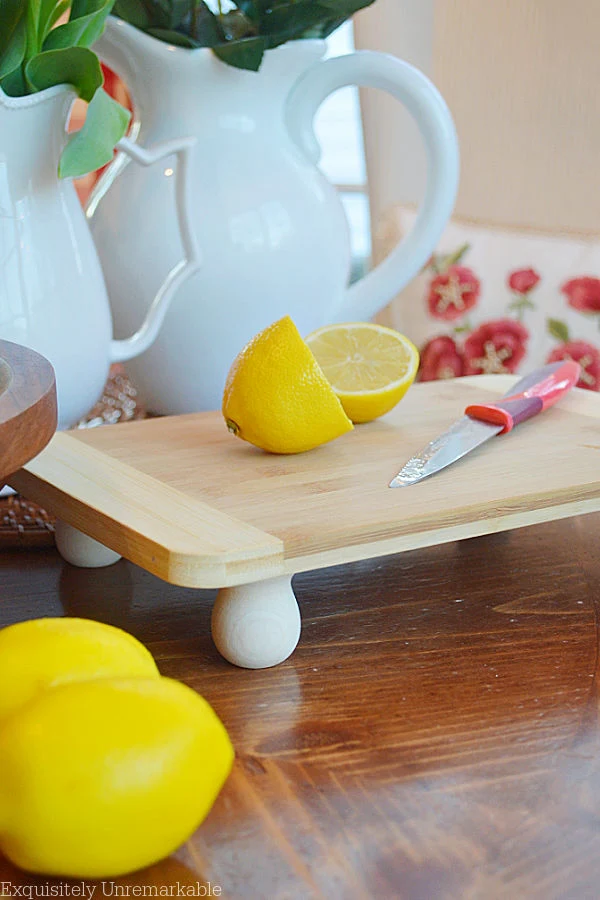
(543, 389)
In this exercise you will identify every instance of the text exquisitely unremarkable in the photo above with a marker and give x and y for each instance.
(90, 891)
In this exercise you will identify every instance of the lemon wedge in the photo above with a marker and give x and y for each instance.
(370, 367)
(276, 396)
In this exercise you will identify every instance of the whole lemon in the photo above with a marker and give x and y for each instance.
(276, 396)
(100, 778)
(41, 653)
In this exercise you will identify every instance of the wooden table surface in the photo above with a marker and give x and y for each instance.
(435, 735)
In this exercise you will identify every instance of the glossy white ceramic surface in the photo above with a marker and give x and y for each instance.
(271, 230)
(52, 292)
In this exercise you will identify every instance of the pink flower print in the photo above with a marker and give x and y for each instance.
(453, 292)
(588, 358)
(523, 280)
(440, 358)
(495, 347)
(583, 294)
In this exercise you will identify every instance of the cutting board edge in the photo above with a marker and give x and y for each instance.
(193, 545)
(432, 536)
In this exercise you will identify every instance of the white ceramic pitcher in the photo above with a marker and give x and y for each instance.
(52, 292)
(271, 229)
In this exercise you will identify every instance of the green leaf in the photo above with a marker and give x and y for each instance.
(178, 10)
(14, 53)
(82, 31)
(236, 25)
(134, 12)
(58, 12)
(50, 12)
(325, 28)
(93, 145)
(14, 83)
(76, 66)
(522, 301)
(453, 259)
(239, 36)
(11, 13)
(251, 9)
(558, 329)
(244, 54)
(32, 18)
(204, 26)
(159, 13)
(192, 20)
(12, 35)
(291, 20)
(173, 37)
(81, 8)
(345, 8)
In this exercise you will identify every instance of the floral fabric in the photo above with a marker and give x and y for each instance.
(494, 302)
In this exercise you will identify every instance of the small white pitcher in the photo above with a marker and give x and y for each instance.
(52, 293)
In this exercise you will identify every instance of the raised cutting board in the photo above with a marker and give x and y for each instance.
(187, 501)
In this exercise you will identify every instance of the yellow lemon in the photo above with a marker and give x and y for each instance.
(40, 653)
(101, 778)
(276, 396)
(369, 366)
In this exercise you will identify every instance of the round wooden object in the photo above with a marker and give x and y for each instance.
(79, 549)
(257, 625)
(28, 413)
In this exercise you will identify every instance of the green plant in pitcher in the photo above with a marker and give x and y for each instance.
(238, 32)
(40, 49)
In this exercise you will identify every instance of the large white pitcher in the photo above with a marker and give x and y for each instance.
(52, 293)
(272, 232)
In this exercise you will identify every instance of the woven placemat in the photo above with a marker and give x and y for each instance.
(24, 524)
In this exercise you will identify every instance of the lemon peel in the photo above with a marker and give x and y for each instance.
(44, 652)
(276, 396)
(101, 778)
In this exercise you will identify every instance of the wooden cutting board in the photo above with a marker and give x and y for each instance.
(196, 506)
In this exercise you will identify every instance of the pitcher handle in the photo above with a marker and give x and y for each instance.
(125, 349)
(367, 68)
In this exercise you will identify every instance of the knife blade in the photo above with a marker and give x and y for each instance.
(531, 395)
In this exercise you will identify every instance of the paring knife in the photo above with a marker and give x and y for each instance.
(531, 395)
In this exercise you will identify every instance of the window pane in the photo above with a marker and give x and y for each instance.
(338, 123)
(338, 127)
(357, 212)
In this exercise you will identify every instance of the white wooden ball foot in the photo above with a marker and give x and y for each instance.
(80, 550)
(257, 625)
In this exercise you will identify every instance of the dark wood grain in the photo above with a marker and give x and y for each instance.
(27, 406)
(435, 735)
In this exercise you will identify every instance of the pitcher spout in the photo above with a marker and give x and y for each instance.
(33, 130)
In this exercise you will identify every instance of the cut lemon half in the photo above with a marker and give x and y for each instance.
(370, 367)
(276, 396)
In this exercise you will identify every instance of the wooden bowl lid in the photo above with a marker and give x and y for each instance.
(28, 410)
